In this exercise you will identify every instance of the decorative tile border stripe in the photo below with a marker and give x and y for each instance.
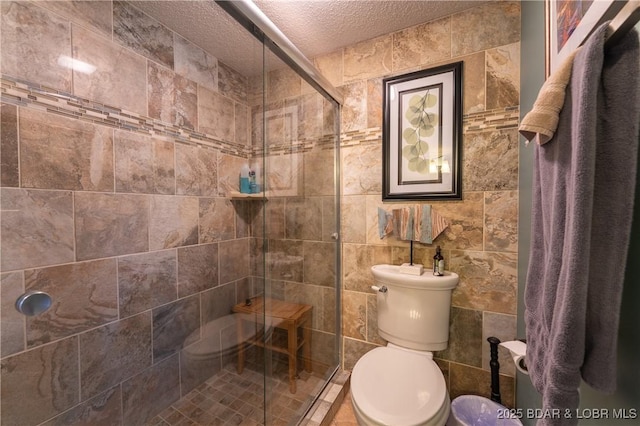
(25, 94)
(497, 119)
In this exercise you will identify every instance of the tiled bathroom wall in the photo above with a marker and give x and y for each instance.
(480, 243)
(115, 201)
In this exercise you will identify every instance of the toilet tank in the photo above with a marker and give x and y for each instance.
(413, 312)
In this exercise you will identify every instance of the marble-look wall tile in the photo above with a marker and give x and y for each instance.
(357, 261)
(197, 269)
(329, 307)
(61, 153)
(267, 124)
(12, 323)
(174, 326)
(501, 221)
(285, 175)
(283, 83)
(195, 64)
(148, 393)
(362, 169)
(309, 109)
(304, 218)
(422, 44)
(246, 213)
(232, 84)
(120, 78)
(490, 161)
(146, 281)
(465, 220)
(372, 234)
(274, 220)
(354, 315)
(142, 34)
(331, 66)
(372, 320)
(84, 295)
(217, 217)
(309, 295)
(331, 119)
(113, 353)
(488, 280)
(242, 130)
(217, 302)
(102, 410)
(465, 337)
(234, 255)
(196, 171)
(319, 172)
(354, 108)
(284, 260)
(9, 170)
(503, 76)
(353, 351)
(173, 222)
(354, 229)
(229, 167)
(319, 263)
(40, 383)
(216, 114)
(94, 15)
(110, 224)
(474, 82)
(371, 58)
(172, 98)
(31, 41)
(36, 228)
(468, 380)
(143, 164)
(483, 27)
(504, 328)
(374, 102)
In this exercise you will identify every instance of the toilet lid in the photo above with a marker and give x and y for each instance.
(394, 386)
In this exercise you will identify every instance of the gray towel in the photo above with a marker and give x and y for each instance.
(584, 182)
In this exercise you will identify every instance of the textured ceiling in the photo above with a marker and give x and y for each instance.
(314, 26)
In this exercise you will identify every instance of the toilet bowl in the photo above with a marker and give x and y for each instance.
(400, 384)
(397, 386)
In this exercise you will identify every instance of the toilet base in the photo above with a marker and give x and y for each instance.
(440, 419)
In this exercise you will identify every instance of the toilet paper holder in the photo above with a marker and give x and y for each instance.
(518, 349)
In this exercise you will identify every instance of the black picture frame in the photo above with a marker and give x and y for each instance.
(422, 135)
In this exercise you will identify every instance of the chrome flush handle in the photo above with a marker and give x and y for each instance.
(382, 289)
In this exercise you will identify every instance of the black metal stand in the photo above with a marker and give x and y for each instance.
(495, 369)
(411, 252)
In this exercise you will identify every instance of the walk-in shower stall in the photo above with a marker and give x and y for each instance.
(155, 285)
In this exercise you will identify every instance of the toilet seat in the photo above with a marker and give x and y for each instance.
(398, 386)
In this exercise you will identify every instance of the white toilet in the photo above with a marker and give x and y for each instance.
(400, 384)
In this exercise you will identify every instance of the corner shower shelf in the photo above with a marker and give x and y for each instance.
(235, 195)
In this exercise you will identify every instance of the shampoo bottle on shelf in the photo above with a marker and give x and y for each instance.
(244, 179)
(438, 263)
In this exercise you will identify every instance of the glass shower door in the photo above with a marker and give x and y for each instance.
(300, 242)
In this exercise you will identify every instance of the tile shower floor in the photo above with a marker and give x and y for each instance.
(229, 398)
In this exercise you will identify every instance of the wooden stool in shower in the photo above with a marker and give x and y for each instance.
(279, 314)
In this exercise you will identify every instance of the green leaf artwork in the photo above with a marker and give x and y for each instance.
(423, 123)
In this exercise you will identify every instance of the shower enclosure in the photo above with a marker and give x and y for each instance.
(175, 298)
